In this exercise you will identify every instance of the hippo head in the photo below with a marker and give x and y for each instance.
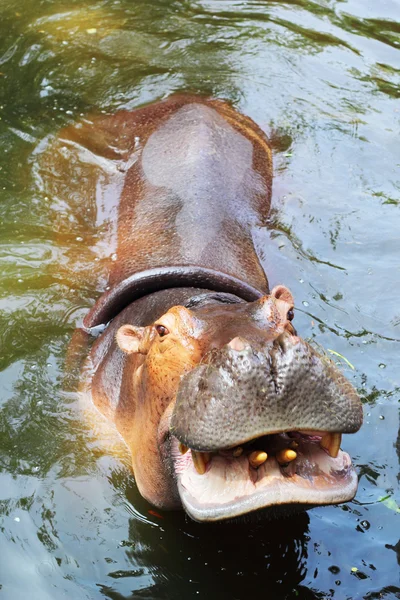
(234, 412)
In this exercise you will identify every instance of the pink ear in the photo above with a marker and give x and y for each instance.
(281, 292)
(130, 339)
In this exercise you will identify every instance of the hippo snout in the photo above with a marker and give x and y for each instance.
(242, 392)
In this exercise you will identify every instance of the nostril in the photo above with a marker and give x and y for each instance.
(238, 344)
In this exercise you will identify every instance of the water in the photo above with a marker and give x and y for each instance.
(323, 80)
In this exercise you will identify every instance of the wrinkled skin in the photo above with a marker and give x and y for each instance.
(201, 361)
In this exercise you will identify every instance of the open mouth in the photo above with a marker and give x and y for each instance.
(264, 427)
(299, 467)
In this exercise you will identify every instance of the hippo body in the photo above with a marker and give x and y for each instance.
(225, 410)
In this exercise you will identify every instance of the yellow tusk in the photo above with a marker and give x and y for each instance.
(285, 456)
(200, 461)
(182, 448)
(238, 451)
(331, 442)
(257, 458)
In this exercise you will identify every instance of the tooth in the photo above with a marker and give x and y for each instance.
(294, 445)
(182, 448)
(200, 461)
(238, 451)
(331, 442)
(285, 456)
(257, 458)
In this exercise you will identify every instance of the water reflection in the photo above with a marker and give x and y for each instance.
(233, 559)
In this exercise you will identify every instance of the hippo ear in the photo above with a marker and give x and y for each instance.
(131, 339)
(281, 292)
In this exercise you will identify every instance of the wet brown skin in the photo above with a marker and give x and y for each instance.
(136, 388)
(197, 180)
(197, 184)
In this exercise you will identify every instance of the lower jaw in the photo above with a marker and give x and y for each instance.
(226, 492)
(302, 499)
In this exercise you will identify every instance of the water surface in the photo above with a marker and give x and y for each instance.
(322, 79)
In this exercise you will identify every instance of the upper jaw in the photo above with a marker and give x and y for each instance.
(287, 393)
(234, 396)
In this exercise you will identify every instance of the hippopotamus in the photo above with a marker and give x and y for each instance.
(225, 409)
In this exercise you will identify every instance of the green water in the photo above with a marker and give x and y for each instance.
(323, 79)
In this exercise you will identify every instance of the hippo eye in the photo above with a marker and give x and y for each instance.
(161, 330)
(290, 315)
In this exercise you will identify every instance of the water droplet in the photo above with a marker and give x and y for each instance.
(301, 280)
(17, 519)
(114, 257)
(79, 238)
(334, 569)
(305, 303)
(365, 524)
(382, 366)
(382, 418)
(35, 469)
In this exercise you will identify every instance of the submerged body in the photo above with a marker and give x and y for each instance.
(199, 354)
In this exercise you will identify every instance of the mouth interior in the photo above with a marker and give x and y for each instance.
(299, 467)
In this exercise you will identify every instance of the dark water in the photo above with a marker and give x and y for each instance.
(323, 79)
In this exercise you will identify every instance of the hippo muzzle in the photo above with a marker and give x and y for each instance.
(264, 426)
